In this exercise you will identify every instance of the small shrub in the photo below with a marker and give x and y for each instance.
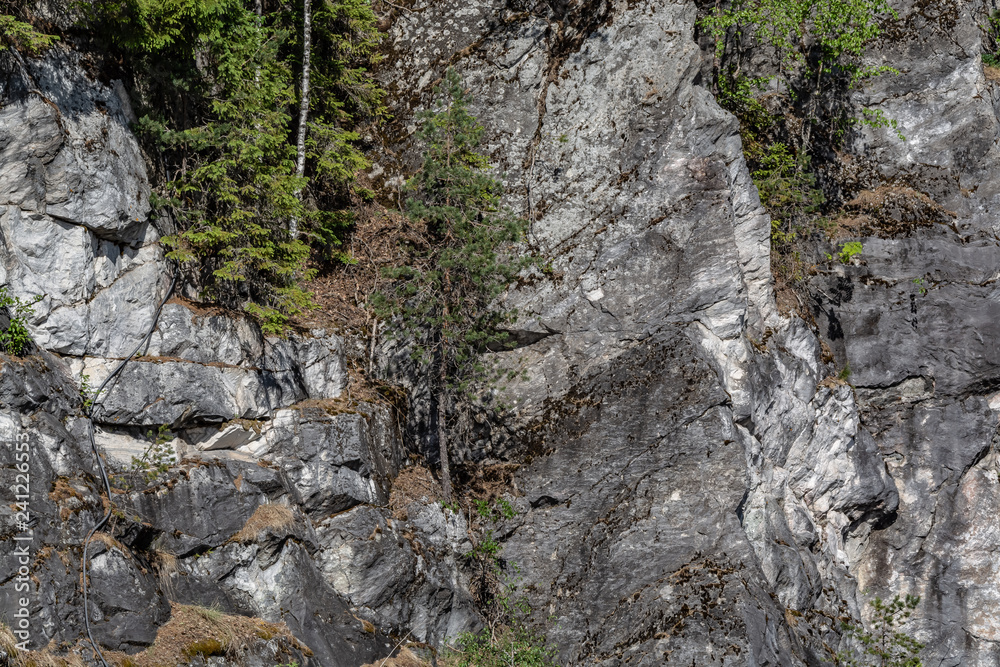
(15, 337)
(86, 392)
(788, 191)
(155, 460)
(991, 40)
(885, 645)
(507, 640)
(850, 250)
(511, 647)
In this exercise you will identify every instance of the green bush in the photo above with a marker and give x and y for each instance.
(16, 337)
(783, 67)
(850, 250)
(817, 46)
(788, 191)
(506, 640)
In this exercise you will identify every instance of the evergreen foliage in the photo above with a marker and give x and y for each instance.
(22, 36)
(218, 82)
(442, 302)
(885, 645)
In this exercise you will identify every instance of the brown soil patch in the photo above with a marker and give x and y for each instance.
(270, 517)
(197, 632)
(788, 299)
(992, 73)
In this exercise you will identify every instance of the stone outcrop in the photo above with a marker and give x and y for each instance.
(695, 484)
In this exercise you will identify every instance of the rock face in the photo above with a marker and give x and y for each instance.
(662, 373)
(694, 483)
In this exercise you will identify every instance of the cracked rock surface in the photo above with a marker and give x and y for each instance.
(694, 482)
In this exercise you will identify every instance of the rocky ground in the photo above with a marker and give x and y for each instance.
(694, 484)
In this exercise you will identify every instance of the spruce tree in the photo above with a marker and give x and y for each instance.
(252, 110)
(443, 303)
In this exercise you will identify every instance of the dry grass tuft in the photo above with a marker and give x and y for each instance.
(405, 658)
(109, 542)
(890, 211)
(165, 565)
(43, 658)
(270, 517)
(196, 632)
(833, 381)
(992, 73)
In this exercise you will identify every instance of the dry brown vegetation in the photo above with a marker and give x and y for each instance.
(271, 517)
(43, 658)
(194, 632)
(342, 291)
(110, 542)
(413, 484)
(889, 211)
(405, 658)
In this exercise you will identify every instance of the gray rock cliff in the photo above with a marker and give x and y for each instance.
(693, 484)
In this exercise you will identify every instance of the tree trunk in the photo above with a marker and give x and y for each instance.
(300, 162)
(443, 394)
(442, 428)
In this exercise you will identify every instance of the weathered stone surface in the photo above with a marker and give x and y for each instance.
(917, 323)
(333, 461)
(149, 393)
(403, 574)
(128, 605)
(83, 163)
(695, 487)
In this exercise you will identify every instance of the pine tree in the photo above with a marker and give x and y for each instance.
(443, 302)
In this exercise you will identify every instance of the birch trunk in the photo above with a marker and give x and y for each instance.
(300, 162)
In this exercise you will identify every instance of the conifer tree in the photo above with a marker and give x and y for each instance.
(443, 302)
(252, 107)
